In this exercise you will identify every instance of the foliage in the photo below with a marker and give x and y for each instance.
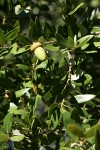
(49, 100)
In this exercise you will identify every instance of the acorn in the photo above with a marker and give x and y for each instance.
(40, 53)
(35, 45)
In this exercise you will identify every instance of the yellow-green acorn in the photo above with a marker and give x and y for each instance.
(35, 45)
(40, 53)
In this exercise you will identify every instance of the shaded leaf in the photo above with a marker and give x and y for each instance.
(92, 130)
(4, 137)
(41, 40)
(52, 108)
(3, 145)
(11, 35)
(75, 130)
(23, 40)
(97, 140)
(23, 67)
(2, 38)
(75, 115)
(61, 40)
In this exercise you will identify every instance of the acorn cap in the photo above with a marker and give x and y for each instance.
(35, 45)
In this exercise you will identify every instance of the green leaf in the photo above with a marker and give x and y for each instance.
(52, 109)
(75, 130)
(97, 140)
(2, 130)
(66, 116)
(61, 41)
(21, 92)
(65, 148)
(12, 108)
(49, 31)
(84, 97)
(23, 40)
(17, 25)
(41, 40)
(2, 2)
(75, 115)
(73, 11)
(51, 47)
(28, 84)
(32, 31)
(38, 98)
(48, 95)
(38, 27)
(3, 145)
(21, 112)
(23, 67)
(95, 29)
(88, 79)
(8, 57)
(14, 48)
(17, 138)
(82, 41)
(42, 65)
(7, 124)
(92, 130)
(21, 50)
(56, 119)
(70, 42)
(2, 38)
(96, 44)
(4, 137)
(11, 35)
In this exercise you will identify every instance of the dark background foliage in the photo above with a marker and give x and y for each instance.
(51, 104)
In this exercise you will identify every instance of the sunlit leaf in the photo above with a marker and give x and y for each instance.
(97, 44)
(14, 48)
(21, 92)
(51, 47)
(7, 124)
(42, 65)
(12, 108)
(73, 11)
(82, 41)
(17, 138)
(84, 97)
